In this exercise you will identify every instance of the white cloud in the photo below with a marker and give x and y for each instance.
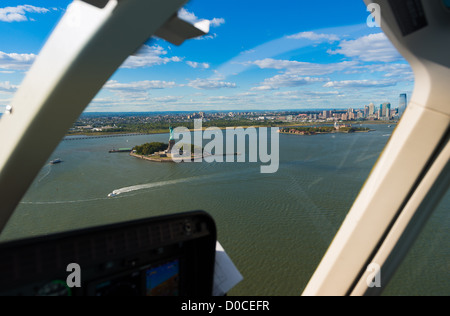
(401, 72)
(397, 71)
(217, 22)
(288, 95)
(235, 101)
(303, 68)
(360, 84)
(249, 51)
(320, 93)
(295, 73)
(7, 87)
(247, 94)
(136, 91)
(149, 56)
(15, 61)
(206, 37)
(370, 48)
(286, 80)
(192, 18)
(127, 95)
(195, 65)
(114, 85)
(187, 16)
(18, 14)
(302, 94)
(315, 37)
(167, 99)
(223, 98)
(210, 84)
(218, 75)
(264, 88)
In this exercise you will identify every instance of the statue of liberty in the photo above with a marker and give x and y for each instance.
(171, 139)
(171, 133)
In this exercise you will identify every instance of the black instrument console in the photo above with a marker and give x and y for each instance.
(164, 256)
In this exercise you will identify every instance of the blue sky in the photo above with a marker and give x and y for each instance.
(259, 55)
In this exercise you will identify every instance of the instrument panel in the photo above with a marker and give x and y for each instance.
(164, 256)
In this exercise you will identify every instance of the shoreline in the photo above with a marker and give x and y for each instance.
(322, 133)
(148, 158)
(159, 132)
(170, 159)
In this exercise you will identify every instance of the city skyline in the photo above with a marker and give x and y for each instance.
(369, 110)
(297, 56)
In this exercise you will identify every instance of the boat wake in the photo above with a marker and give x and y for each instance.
(61, 202)
(154, 185)
(67, 202)
(49, 167)
(116, 193)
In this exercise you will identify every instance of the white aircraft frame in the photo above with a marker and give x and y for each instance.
(403, 189)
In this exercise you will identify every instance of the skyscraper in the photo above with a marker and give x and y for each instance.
(371, 109)
(403, 103)
(388, 111)
(366, 111)
(385, 110)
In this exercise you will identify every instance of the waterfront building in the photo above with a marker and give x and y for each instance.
(371, 109)
(403, 103)
(386, 110)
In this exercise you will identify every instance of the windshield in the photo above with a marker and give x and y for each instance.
(425, 269)
(320, 79)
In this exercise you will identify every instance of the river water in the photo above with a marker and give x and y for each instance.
(275, 227)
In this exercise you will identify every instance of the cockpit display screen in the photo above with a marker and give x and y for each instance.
(163, 280)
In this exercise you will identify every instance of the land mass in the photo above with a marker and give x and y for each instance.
(154, 123)
(347, 129)
(158, 152)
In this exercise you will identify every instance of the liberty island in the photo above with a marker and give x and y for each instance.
(187, 151)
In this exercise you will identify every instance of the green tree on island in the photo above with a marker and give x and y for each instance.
(150, 148)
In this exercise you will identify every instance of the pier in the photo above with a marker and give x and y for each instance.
(121, 150)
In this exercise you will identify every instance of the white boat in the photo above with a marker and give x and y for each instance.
(56, 161)
(111, 195)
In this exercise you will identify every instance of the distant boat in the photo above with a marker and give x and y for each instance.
(111, 195)
(56, 161)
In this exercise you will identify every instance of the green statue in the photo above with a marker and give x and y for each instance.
(172, 137)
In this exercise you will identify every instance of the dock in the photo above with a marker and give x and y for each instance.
(121, 150)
